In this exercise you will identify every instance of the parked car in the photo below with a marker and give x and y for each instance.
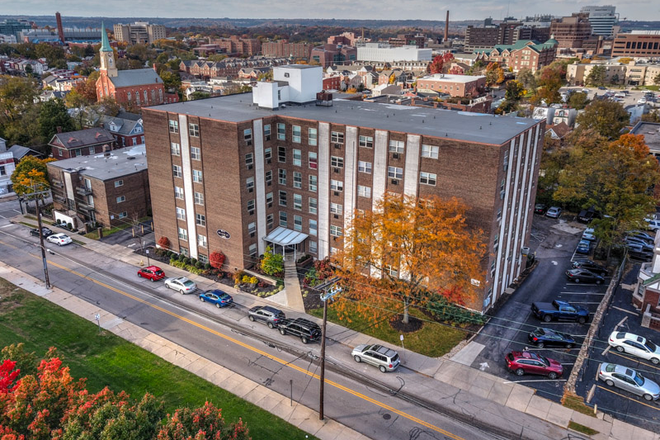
(636, 345)
(181, 284)
(583, 276)
(628, 379)
(560, 310)
(527, 362)
(384, 358)
(152, 273)
(586, 215)
(540, 208)
(44, 231)
(267, 314)
(305, 329)
(59, 239)
(553, 212)
(583, 247)
(590, 266)
(639, 252)
(217, 297)
(653, 223)
(638, 241)
(545, 337)
(647, 237)
(641, 101)
(588, 234)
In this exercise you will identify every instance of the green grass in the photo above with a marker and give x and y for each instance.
(105, 359)
(576, 403)
(581, 428)
(433, 339)
(109, 231)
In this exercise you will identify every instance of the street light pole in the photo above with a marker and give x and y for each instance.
(331, 291)
(41, 242)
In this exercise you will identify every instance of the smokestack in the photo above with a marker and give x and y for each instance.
(447, 27)
(60, 28)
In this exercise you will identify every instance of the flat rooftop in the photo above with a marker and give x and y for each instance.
(121, 162)
(442, 77)
(651, 132)
(468, 127)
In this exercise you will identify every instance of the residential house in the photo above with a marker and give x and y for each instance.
(82, 143)
(522, 54)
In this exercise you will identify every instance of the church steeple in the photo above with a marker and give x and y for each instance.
(106, 54)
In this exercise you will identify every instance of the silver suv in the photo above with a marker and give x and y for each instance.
(384, 358)
(269, 315)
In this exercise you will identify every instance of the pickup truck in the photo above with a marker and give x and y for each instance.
(560, 310)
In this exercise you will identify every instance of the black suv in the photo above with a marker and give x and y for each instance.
(586, 215)
(590, 266)
(269, 315)
(307, 330)
(44, 231)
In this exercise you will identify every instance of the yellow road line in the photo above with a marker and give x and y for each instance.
(263, 353)
(634, 359)
(626, 397)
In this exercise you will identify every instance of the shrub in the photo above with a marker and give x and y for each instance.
(208, 266)
(186, 261)
(245, 279)
(199, 265)
(238, 276)
(253, 280)
(59, 220)
(69, 225)
(217, 259)
(164, 242)
(445, 310)
(272, 264)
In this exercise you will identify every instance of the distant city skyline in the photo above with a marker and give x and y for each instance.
(646, 10)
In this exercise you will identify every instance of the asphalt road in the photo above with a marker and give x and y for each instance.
(263, 358)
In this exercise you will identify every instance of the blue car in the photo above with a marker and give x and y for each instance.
(583, 247)
(217, 297)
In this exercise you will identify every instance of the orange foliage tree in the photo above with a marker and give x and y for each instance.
(403, 252)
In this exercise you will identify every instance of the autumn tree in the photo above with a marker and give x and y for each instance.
(201, 423)
(404, 251)
(596, 77)
(607, 118)
(438, 63)
(494, 74)
(578, 100)
(526, 78)
(217, 260)
(30, 173)
(272, 263)
(549, 80)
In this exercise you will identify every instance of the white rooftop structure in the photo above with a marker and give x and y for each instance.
(445, 77)
(383, 52)
(293, 83)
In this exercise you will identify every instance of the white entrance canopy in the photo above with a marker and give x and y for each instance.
(285, 237)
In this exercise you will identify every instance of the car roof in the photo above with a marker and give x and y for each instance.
(630, 337)
(153, 268)
(383, 350)
(218, 292)
(270, 309)
(525, 354)
(182, 279)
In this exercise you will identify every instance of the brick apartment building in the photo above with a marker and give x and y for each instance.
(236, 45)
(284, 49)
(82, 143)
(571, 31)
(139, 32)
(109, 189)
(522, 54)
(303, 168)
(333, 54)
(229, 67)
(418, 40)
(454, 85)
(644, 44)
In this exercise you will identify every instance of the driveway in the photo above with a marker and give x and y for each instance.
(130, 239)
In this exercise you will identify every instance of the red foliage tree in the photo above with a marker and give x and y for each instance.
(217, 260)
(7, 376)
(201, 424)
(164, 243)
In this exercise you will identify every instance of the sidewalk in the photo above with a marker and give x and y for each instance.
(468, 393)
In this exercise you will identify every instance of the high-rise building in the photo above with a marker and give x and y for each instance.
(140, 32)
(602, 19)
(286, 167)
(14, 27)
(505, 33)
(571, 31)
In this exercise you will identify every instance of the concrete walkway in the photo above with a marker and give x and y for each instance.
(294, 299)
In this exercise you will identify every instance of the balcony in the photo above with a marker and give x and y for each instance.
(85, 207)
(84, 191)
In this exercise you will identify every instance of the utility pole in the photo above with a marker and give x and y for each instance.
(41, 239)
(332, 290)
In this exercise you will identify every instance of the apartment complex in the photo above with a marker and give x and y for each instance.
(284, 49)
(140, 32)
(333, 54)
(521, 55)
(634, 74)
(383, 52)
(507, 33)
(238, 45)
(236, 174)
(454, 85)
(571, 31)
(637, 44)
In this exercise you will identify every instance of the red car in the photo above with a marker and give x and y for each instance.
(153, 273)
(527, 362)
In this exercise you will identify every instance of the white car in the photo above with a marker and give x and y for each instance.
(181, 284)
(653, 223)
(588, 234)
(636, 345)
(641, 101)
(59, 239)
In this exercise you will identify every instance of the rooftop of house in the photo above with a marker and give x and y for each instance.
(445, 77)
(469, 127)
(117, 163)
(651, 132)
(136, 77)
(82, 138)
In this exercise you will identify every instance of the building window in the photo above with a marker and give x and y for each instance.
(175, 149)
(197, 176)
(281, 154)
(252, 228)
(313, 161)
(313, 205)
(427, 178)
(281, 132)
(183, 251)
(92, 150)
(269, 200)
(297, 202)
(249, 184)
(180, 214)
(281, 174)
(201, 240)
(297, 179)
(312, 137)
(364, 191)
(337, 162)
(297, 158)
(313, 227)
(335, 231)
(296, 134)
(176, 170)
(430, 151)
(123, 214)
(313, 180)
(282, 195)
(249, 161)
(178, 192)
(183, 234)
(496, 242)
(499, 215)
(203, 258)
(252, 250)
(121, 199)
(283, 219)
(396, 146)
(174, 125)
(313, 247)
(119, 183)
(364, 167)
(195, 153)
(336, 208)
(395, 172)
(336, 185)
(337, 137)
(267, 132)
(250, 206)
(269, 177)
(297, 223)
(366, 141)
(200, 220)
(193, 129)
(199, 198)
(268, 154)
(269, 221)
(247, 135)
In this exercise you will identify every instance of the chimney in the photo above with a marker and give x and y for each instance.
(60, 28)
(155, 69)
(447, 27)
(59, 129)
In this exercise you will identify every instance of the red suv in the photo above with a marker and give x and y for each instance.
(526, 362)
(153, 273)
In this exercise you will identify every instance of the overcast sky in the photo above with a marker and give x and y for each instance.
(345, 9)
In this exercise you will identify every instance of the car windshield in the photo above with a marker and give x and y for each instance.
(158, 272)
(540, 331)
(639, 379)
(188, 283)
(651, 346)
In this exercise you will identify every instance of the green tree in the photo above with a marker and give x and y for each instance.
(527, 79)
(578, 100)
(30, 171)
(16, 95)
(514, 91)
(596, 77)
(608, 118)
(53, 115)
(272, 263)
(550, 79)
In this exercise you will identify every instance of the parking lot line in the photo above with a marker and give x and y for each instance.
(534, 380)
(585, 302)
(607, 350)
(634, 359)
(582, 293)
(620, 322)
(626, 397)
(624, 310)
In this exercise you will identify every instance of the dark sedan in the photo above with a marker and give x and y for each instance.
(590, 266)
(583, 276)
(44, 231)
(545, 337)
(540, 208)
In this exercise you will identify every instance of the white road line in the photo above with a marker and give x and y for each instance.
(624, 310)
(607, 350)
(541, 380)
(620, 322)
(591, 391)
(585, 302)
(582, 293)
